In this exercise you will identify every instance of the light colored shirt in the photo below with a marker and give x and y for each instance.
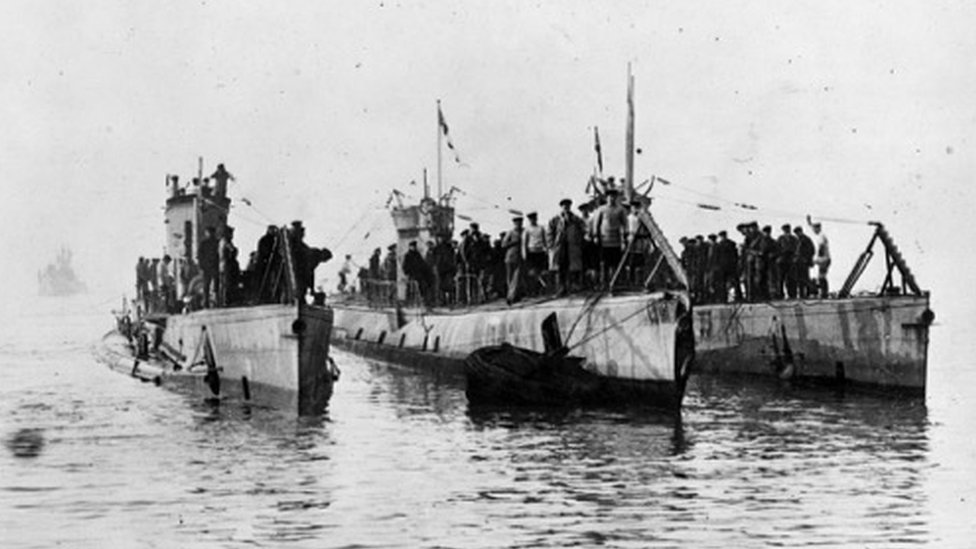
(164, 274)
(823, 248)
(534, 239)
(610, 225)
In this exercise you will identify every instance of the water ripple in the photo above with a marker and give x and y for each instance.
(401, 460)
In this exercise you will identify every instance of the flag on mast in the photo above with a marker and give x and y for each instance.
(598, 149)
(447, 136)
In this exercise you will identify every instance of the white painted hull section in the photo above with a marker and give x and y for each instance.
(629, 337)
(281, 347)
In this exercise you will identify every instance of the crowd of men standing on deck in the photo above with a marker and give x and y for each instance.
(762, 267)
(576, 252)
(216, 279)
(569, 252)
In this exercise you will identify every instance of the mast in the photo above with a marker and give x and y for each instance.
(629, 153)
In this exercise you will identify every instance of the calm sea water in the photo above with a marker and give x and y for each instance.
(95, 459)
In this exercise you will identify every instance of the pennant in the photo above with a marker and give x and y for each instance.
(598, 149)
(447, 135)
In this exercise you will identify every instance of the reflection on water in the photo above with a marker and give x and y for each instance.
(401, 460)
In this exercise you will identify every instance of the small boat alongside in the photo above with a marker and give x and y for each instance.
(513, 376)
(504, 374)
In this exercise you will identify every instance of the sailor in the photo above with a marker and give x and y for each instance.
(728, 268)
(445, 268)
(260, 277)
(610, 233)
(167, 285)
(591, 253)
(770, 271)
(305, 259)
(389, 274)
(754, 262)
(641, 247)
(512, 245)
(210, 265)
(221, 176)
(497, 280)
(143, 276)
(344, 272)
(419, 271)
(534, 252)
(474, 253)
(788, 244)
(741, 280)
(374, 276)
(390, 263)
(711, 268)
(565, 234)
(229, 268)
(803, 260)
(700, 262)
(686, 257)
(822, 257)
(375, 261)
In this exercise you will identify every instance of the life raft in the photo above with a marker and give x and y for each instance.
(505, 374)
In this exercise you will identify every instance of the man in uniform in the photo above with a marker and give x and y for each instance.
(712, 284)
(167, 284)
(534, 252)
(344, 272)
(770, 270)
(229, 268)
(220, 177)
(728, 268)
(566, 244)
(802, 261)
(787, 250)
(610, 233)
(512, 246)
(822, 257)
(306, 259)
(591, 253)
(417, 269)
(754, 262)
(210, 266)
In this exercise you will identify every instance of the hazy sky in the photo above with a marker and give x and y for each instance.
(848, 110)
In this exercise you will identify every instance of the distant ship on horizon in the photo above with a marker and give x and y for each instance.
(59, 278)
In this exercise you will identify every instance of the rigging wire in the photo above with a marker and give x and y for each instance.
(761, 210)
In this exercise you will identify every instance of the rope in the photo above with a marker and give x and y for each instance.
(746, 207)
(606, 329)
(585, 309)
